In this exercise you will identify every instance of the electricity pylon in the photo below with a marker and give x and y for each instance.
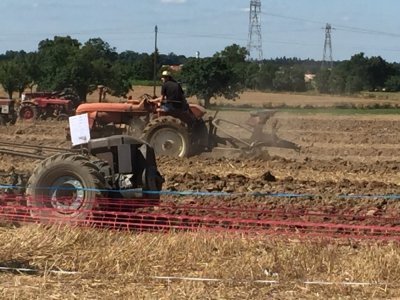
(255, 40)
(327, 57)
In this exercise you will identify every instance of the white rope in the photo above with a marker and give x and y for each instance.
(200, 279)
(170, 278)
(26, 270)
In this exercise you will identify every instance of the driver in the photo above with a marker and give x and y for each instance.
(172, 96)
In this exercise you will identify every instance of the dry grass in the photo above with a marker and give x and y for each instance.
(120, 265)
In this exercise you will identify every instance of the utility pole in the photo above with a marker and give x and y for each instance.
(327, 47)
(255, 39)
(155, 61)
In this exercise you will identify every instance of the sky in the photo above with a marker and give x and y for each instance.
(290, 28)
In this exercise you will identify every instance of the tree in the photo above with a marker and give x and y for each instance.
(393, 83)
(297, 78)
(65, 63)
(13, 76)
(92, 66)
(337, 80)
(356, 73)
(250, 75)
(171, 59)
(143, 69)
(208, 78)
(354, 84)
(233, 54)
(322, 80)
(281, 81)
(266, 75)
(235, 57)
(33, 69)
(56, 60)
(120, 83)
(290, 79)
(378, 71)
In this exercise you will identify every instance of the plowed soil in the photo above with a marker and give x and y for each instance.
(340, 155)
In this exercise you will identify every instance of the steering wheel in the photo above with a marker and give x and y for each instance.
(149, 104)
(147, 97)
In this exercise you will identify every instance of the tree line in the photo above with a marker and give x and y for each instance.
(63, 62)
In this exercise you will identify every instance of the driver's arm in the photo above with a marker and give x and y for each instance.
(159, 99)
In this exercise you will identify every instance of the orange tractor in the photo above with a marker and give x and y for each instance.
(178, 133)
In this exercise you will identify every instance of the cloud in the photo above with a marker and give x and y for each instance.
(174, 1)
(247, 9)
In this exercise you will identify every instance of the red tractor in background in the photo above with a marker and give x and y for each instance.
(65, 94)
(44, 108)
(44, 105)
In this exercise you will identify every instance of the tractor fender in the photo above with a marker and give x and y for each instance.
(29, 102)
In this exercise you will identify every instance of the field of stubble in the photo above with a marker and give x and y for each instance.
(340, 155)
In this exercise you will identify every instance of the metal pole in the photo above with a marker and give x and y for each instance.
(155, 62)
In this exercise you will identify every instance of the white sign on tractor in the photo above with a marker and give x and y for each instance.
(5, 109)
(79, 129)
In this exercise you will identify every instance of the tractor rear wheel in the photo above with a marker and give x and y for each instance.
(168, 136)
(64, 188)
(62, 117)
(28, 113)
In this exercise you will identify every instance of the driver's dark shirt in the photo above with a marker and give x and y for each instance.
(171, 90)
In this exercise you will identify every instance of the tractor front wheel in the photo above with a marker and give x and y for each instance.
(28, 113)
(64, 188)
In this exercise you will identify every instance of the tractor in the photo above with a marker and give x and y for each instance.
(44, 108)
(177, 133)
(73, 187)
(8, 114)
(65, 94)
(44, 105)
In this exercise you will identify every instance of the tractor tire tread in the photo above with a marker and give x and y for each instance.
(168, 121)
(80, 163)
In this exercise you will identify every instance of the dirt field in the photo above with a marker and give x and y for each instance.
(339, 155)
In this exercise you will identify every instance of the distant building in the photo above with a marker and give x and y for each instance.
(308, 77)
(173, 68)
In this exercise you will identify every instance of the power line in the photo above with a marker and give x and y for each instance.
(291, 18)
(337, 26)
(204, 35)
